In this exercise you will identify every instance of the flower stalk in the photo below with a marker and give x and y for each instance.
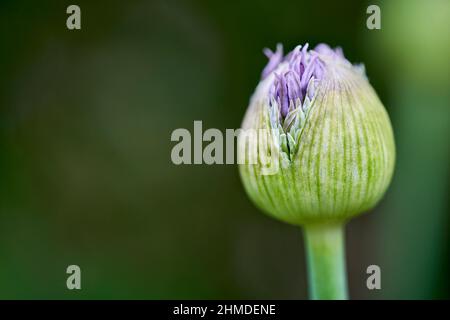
(325, 255)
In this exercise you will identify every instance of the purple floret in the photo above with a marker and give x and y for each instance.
(304, 66)
(274, 59)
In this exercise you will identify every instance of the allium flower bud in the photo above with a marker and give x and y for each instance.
(328, 139)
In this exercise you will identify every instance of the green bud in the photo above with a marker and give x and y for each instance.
(327, 152)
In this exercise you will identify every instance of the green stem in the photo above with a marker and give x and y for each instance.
(325, 253)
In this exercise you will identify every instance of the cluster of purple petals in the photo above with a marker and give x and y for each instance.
(303, 66)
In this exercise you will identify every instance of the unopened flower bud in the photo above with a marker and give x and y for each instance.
(327, 136)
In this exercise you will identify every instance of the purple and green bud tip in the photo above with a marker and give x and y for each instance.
(300, 79)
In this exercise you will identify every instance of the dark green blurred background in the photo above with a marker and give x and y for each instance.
(86, 176)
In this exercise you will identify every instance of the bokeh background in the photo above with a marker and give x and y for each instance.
(85, 170)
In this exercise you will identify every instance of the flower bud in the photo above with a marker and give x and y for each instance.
(324, 148)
